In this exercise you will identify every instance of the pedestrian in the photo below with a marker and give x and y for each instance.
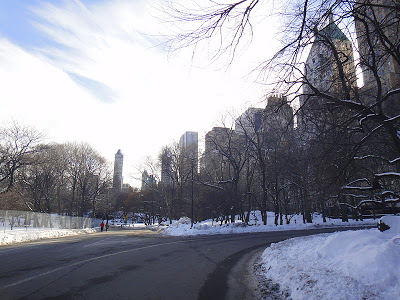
(102, 226)
(107, 227)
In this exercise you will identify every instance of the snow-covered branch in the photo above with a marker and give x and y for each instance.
(388, 174)
(364, 202)
(211, 185)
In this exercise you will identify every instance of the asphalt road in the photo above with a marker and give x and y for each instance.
(135, 264)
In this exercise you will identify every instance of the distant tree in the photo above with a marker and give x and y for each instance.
(88, 175)
(40, 180)
(18, 145)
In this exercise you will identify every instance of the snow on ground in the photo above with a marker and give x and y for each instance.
(362, 264)
(182, 227)
(19, 235)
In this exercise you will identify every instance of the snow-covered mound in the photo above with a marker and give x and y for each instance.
(362, 264)
(182, 226)
(22, 235)
(393, 222)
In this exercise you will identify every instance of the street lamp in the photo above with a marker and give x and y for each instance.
(191, 225)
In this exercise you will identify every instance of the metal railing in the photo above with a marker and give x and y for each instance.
(13, 219)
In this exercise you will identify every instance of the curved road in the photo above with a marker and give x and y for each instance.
(135, 264)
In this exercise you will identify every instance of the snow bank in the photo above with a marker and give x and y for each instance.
(22, 235)
(393, 222)
(182, 226)
(362, 264)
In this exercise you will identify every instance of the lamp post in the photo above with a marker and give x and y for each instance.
(191, 225)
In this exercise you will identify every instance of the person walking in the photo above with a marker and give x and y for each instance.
(107, 226)
(102, 226)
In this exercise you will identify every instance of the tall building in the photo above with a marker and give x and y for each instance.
(378, 29)
(126, 187)
(323, 72)
(166, 167)
(189, 145)
(219, 143)
(118, 164)
(278, 113)
(218, 137)
(249, 121)
(378, 36)
(148, 181)
(321, 68)
(189, 140)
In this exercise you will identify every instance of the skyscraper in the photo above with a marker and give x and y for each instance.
(189, 140)
(322, 68)
(218, 141)
(378, 28)
(249, 121)
(118, 164)
(166, 168)
(329, 70)
(148, 181)
(277, 115)
(189, 145)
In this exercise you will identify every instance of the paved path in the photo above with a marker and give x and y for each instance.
(134, 264)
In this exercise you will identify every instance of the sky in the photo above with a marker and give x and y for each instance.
(97, 71)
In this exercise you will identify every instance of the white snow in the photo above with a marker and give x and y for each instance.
(182, 227)
(362, 264)
(387, 174)
(18, 235)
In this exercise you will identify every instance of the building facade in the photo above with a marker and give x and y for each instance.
(166, 168)
(329, 72)
(118, 165)
(148, 181)
(330, 62)
(221, 144)
(378, 30)
(189, 146)
(250, 121)
(278, 114)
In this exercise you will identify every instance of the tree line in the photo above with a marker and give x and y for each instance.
(69, 178)
(334, 150)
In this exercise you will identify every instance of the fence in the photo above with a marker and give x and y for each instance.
(13, 219)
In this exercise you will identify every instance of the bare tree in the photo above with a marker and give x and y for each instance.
(358, 124)
(18, 144)
(225, 158)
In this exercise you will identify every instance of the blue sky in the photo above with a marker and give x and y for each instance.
(92, 71)
(16, 19)
(15, 24)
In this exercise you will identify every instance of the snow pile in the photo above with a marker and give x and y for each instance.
(182, 226)
(392, 222)
(22, 235)
(362, 264)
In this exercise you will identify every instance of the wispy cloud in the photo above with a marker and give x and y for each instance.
(101, 78)
(99, 42)
(99, 90)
